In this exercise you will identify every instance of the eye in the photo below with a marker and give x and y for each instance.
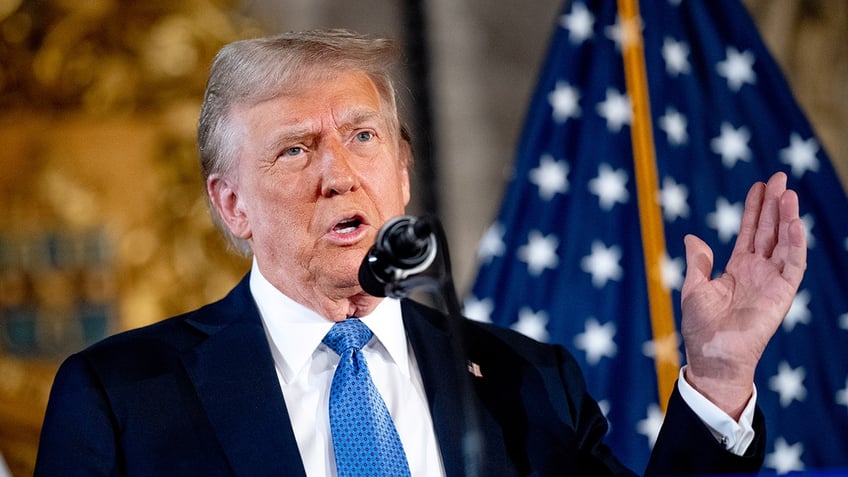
(293, 151)
(364, 136)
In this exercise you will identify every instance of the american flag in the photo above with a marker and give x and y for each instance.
(563, 262)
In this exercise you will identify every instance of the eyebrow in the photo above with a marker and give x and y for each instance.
(352, 118)
(289, 135)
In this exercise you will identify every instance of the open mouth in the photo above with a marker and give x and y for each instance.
(347, 226)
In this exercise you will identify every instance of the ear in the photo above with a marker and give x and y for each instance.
(225, 198)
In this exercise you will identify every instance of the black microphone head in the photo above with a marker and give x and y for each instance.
(368, 279)
(404, 247)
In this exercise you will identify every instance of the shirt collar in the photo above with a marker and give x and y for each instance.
(295, 331)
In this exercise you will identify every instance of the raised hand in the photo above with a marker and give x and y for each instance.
(727, 321)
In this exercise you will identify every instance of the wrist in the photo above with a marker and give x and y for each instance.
(729, 395)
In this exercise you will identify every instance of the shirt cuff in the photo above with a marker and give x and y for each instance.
(734, 436)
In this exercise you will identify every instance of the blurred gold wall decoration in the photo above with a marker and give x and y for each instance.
(103, 222)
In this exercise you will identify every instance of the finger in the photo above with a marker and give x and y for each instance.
(792, 240)
(699, 262)
(765, 237)
(750, 217)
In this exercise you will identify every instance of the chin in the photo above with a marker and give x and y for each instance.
(345, 274)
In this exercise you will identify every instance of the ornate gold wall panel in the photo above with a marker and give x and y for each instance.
(103, 225)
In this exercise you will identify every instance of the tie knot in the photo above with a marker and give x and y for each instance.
(348, 334)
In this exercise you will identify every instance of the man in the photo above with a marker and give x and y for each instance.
(304, 160)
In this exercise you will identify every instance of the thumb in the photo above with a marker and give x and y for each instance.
(699, 262)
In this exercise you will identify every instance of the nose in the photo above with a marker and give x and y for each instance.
(338, 174)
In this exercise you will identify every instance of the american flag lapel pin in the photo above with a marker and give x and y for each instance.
(474, 369)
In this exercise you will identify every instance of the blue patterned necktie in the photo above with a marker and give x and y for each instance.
(365, 440)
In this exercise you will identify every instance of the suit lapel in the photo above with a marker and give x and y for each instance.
(431, 345)
(430, 341)
(233, 373)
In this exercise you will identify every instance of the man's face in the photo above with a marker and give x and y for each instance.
(318, 173)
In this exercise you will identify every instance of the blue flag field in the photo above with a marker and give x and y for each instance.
(564, 260)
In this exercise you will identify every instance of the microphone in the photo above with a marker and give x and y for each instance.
(403, 257)
(405, 246)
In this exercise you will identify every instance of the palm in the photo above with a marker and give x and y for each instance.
(727, 321)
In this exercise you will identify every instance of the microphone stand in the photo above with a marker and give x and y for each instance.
(438, 279)
(472, 438)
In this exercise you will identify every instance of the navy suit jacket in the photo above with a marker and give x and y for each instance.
(198, 394)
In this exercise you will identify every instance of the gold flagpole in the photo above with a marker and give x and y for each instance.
(666, 359)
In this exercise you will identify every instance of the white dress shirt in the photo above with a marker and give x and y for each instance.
(305, 368)
(735, 436)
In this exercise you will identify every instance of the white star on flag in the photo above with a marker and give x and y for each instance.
(650, 426)
(479, 310)
(842, 395)
(621, 33)
(672, 272)
(609, 186)
(737, 68)
(674, 125)
(551, 176)
(579, 23)
(732, 145)
(785, 458)
(663, 349)
(602, 264)
(532, 324)
(539, 253)
(616, 109)
(597, 341)
(726, 219)
(564, 100)
(801, 155)
(788, 383)
(492, 244)
(614, 32)
(673, 198)
(799, 312)
(604, 405)
(809, 221)
(676, 56)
